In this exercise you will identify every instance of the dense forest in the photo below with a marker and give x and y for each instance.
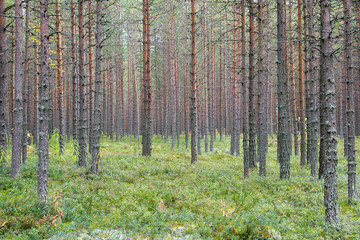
(168, 119)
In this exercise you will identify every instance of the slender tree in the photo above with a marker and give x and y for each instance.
(283, 153)
(312, 146)
(75, 85)
(301, 86)
(328, 119)
(44, 105)
(3, 79)
(352, 191)
(24, 140)
(172, 76)
(293, 108)
(18, 96)
(97, 93)
(205, 81)
(91, 74)
(262, 133)
(245, 92)
(193, 80)
(83, 84)
(252, 80)
(60, 80)
(147, 81)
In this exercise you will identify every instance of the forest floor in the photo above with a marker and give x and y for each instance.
(165, 197)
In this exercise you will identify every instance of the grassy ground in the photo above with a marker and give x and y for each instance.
(164, 197)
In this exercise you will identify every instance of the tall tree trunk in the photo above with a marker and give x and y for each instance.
(205, 81)
(312, 146)
(60, 80)
(3, 79)
(267, 76)
(186, 97)
(111, 99)
(18, 97)
(358, 60)
(147, 82)
(172, 76)
(286, 71)
(252, 112)
(293, 108)
(120, 100)
(235, 134)
(166, 109)
(213, 93)
(91, 75)
(104, 101)
(193, 80)
(301, 87)
(37, 94)
(352, 191)
(24, 140)
(262, 133)
(97, 93)
(328, 119)
(75, 85)
(44, 105)
(83, 84)
(221, 87)
(11, 83)
(283, 153)
(245, 93)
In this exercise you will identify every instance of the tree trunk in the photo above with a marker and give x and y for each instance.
(312, 146)
(172, 77)
(75, 85)
(18, 96)
(166, 109)
(60, 80)
(24, 140)
(352, 191)
(193, 80)
(328, 119)
(213, 99)
(252, 112)
(262, 133)
(283, 153)
(44, 105)
(119, 100)
(245, 93)
(3, 81)
(301, 87)
(97, 94)
(147, 82)
(83, 84)
(205, 81)
(111, 99)
(91, 77)
(186, 97)
(293, 105)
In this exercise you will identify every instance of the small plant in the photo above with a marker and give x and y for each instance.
(56, 218)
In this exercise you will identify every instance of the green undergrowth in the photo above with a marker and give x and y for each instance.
(165, 197)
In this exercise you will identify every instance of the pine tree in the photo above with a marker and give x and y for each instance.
(283, 153)
(193, 81)
(147, 81)
(327, 114)
(18, 96)
(3, 79)
(44, 105)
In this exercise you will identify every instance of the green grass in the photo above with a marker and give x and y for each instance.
(165, 197)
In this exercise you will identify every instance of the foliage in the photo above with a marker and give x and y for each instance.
(163, 196)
